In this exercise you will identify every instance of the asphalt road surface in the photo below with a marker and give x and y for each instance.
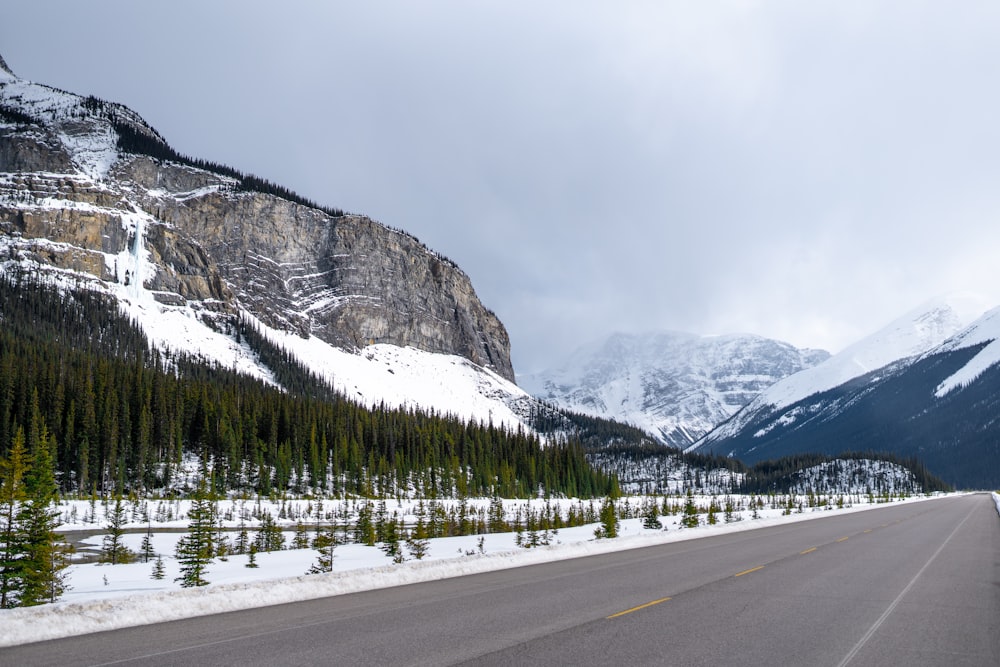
(914, 584)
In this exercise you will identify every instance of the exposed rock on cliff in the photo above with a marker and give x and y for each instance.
(71, 198)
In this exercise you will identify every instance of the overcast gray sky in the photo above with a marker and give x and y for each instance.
(802, 170)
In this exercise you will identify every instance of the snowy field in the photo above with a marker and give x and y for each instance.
(105, 597)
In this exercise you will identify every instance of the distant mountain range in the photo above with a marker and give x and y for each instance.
(93, 198)
(925, 386)
(677, 386)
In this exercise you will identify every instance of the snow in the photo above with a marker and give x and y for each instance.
(919, 331)
(676, 386)
(985, 330)
(130, 597)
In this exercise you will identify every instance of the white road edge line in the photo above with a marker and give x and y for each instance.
(872, 630)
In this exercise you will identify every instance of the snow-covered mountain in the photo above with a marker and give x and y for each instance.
(935, 396)
(92, 196)
(677, 386)
(902, 340)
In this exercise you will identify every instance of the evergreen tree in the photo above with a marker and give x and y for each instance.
(417, 543)
(146, 550)
(45, 552)
(609, 520)
(301, 538)
(113, 549)
(651, 516)
(690, 518)
(269, 537)
(159, 572)
(324, 543)
(12, 549)
(252, 558)
(196, 549)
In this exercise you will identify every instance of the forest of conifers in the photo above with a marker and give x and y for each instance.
(123, 416)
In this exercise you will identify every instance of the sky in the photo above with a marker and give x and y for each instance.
(804, 171)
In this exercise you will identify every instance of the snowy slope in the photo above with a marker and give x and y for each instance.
(907, 338)
(395, 376)
(984, 330)
(677, 386)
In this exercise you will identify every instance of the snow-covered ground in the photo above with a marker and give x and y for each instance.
(105, 597)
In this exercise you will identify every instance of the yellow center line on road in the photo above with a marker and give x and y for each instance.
(869, 530)
(808, 551)
(642, 606)
(843, 539)
(752, 569)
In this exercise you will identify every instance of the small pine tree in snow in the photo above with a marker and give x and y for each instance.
(269, 537)
(324, 543)
(159, 571)
(690, 518)
(301, 538)
(609, 520)
(651, 516)
(113, 550)
(252, 559)
(417, 543)
(196, 549)
(146, 550)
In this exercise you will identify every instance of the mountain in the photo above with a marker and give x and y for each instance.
(677, 386)
(92, 196)
(935, 396)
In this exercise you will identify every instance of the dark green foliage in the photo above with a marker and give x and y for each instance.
(122, 416)
(269, 537)
(13, 468)
(593, 432)
(196, 549)
(12, 115)
(113, 550)
(609, 520)
(159, 571)
(690, 514)
(779, 476)
(325, 543)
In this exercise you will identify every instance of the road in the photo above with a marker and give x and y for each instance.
(910, 584)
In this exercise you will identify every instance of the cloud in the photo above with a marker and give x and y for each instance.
(807, 171)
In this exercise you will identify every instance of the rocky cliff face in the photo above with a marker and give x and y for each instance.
(73, 201)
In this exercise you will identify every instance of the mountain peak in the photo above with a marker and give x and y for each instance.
(5, 68)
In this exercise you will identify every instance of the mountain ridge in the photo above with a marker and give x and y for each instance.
(675, 385)
(196, 247)
(939, 405)
(905, 338)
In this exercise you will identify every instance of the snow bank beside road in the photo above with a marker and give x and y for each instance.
(64, 619)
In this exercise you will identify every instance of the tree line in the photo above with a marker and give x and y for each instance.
(123, 417)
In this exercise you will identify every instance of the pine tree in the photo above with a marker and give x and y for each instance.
(45, 552)
(146, 550)
(651, 516)
(252, 559)
(609, 520)
(196, 549)
(269, 537)
(12, 548)
(417, 543)
(690, 518)
(113, 549)
(158, 569)
(301, 538)
(325, 543)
